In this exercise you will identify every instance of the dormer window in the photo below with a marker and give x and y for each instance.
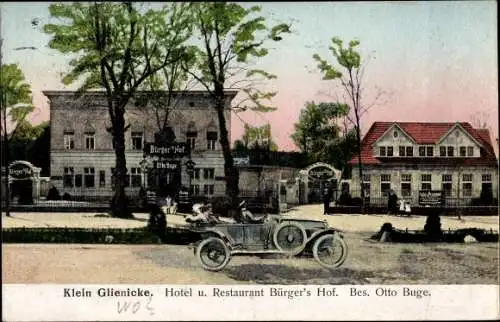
(386, 151)
(463, 151)
(470, 151)
(405, 151)
(446, 151)
(426, 151)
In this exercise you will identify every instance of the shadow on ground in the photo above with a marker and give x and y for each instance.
(284, 274)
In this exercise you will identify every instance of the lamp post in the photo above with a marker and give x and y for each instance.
(3, 110)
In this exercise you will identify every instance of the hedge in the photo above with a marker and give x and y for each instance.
(95, 236)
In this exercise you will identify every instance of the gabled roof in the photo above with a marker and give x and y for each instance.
(395, 125)
(427, 133)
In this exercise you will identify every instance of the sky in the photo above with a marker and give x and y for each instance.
(424, 60)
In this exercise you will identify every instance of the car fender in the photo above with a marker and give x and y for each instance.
(320, 233)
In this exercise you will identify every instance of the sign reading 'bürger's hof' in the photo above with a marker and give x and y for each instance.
(173, 150)
(20, 171)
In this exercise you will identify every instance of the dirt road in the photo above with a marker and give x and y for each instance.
(367, 263)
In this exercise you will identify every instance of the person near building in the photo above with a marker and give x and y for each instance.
(392, 203)
(327, 197)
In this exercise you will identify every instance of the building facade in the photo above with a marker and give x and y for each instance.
(412, 158)
(82, 158)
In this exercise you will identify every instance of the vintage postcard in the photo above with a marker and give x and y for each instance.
(249, 161)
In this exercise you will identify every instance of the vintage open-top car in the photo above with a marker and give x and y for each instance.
(268, 234)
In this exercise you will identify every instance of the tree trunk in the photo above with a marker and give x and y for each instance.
(120, 202)
(230, 172)
(360, 165)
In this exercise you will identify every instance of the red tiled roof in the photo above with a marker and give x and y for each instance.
(426, 133)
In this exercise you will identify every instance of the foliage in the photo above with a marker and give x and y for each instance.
(31, 143)
(118, 48)
(230, 37)
(257, 138)
(16, 96)
(348, 71)
(320, 134)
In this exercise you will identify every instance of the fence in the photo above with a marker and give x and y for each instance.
(483, 204)
(97, 203)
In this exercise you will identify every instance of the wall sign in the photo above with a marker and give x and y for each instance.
(20, 171)
(431, 198)
(173, 150)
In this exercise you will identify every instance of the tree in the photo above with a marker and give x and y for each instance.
(321, 135)
(16, 104)
(349, 72)
(230, 37)
(118, 48)
(32, 143)
(258, 138)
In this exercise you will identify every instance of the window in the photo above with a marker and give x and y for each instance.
(385, 184)
(211, 140)
(463, 151)
(470, 151)
(442, 151)
(195, 189)
(386, 151)
(208, 189)
(209, 173)
(196, 174)
(89, 177)
(486, 178)
(137, 140)
(405, 151)
(406, 185)
(89, 141)
(486, 185)
(69, 140)
(447, 184)
(69, 177)
(78, 180)
(426, 182)
(135, 177)
(402, 151)
(366, 184)
(191, 140)
(395, 134)
(450, 151)
(425, 151)
(467, 185)
(102, 178)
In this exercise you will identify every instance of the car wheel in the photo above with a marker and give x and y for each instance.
(290, 238)
(330, 250)
(213, 254)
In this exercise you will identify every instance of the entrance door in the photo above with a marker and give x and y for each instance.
(168, 182)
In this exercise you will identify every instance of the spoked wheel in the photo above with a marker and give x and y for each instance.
(213, 254)
(330, 250)
(290, 238)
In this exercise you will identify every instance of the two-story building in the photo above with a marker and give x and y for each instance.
(82, 158)
(410, 157)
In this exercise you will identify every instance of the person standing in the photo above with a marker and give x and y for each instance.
(326, 200)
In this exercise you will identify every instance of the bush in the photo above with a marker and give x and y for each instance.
(66, 196)
(53, 194)
(78, 235)
(345, 199)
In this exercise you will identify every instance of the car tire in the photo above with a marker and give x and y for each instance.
(290, 238)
